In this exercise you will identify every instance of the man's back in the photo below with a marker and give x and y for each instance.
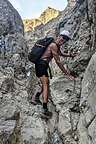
(48, 54)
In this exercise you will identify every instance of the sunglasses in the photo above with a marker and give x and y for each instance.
(65, 38)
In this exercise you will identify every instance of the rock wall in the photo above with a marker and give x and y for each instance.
(10, 20)
(87, 121)
(13, 57)
(86, 125)
(71, 3)
(71, 102)
(13, 50)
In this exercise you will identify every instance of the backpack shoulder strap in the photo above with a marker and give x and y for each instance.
(39, 45)
(44, 42)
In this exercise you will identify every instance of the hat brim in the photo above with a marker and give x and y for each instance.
(66, 37)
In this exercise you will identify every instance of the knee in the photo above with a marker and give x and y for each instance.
(45, 83)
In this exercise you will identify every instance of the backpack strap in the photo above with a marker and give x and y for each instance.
(39, 45)
(50, 72)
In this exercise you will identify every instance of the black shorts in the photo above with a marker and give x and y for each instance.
(41, 68)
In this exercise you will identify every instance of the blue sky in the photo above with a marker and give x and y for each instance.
(33, 8)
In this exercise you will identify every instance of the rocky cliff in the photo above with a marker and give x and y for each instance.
(46, 16)
(73, 103)
(13, 51)
(29, 25)
(10, 20)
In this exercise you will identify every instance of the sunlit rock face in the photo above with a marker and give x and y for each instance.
(29, 25)
(46, 16)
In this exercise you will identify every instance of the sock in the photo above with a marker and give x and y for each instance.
(44, 105)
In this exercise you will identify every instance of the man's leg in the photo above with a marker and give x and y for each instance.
(45, 86)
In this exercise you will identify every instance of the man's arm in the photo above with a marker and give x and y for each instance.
(54, 50)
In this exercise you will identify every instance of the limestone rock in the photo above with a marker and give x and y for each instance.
(72, 103)
(48, 14)
(71, 3)
(88, 103)
(45, 17)
(29, 25)
(6, 130)
(10, 20)
(14, 52)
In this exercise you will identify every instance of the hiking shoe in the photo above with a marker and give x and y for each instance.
(36, 100)
(46, 114)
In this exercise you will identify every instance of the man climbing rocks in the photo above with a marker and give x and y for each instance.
(41, 66)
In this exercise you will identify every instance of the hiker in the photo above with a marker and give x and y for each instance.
(41, 67)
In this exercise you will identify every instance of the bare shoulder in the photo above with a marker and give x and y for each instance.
(53, 46)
